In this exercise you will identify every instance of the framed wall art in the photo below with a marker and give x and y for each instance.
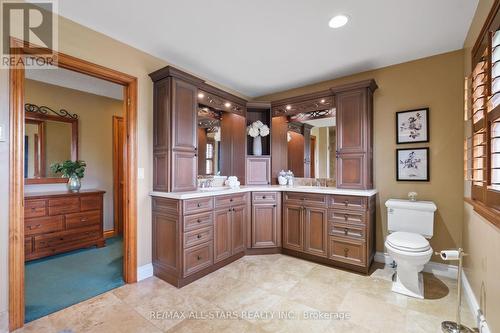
(412, 164)
(412, 126)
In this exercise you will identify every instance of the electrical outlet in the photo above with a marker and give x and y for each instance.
(2, 133)
(140, 173)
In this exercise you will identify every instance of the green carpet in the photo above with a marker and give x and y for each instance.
(57, 282)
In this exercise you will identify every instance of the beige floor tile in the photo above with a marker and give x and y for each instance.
(216, 326)
(318, 295)
(105, 313)
(40, 325)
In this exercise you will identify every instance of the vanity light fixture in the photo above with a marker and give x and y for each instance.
(201, 95)
(338, 21)
(227, 104)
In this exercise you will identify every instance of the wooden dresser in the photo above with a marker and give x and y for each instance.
(57, 222)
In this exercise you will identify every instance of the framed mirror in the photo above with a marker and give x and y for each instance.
(50, 136)
(209, 141)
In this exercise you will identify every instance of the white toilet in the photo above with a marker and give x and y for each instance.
(410, 224)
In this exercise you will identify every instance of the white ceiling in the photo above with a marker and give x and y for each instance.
(258, 47)
(74, 80)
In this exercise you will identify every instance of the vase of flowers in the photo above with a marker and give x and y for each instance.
(257, 130)
(73, 170)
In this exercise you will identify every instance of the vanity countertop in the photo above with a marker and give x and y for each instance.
(270, 188)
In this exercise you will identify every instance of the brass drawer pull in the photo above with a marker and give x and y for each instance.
(346, 251)
(231, 200)
(83, 219)
(346, 217)
(198, 257)
(264, 197)
(346, 203)
(198, 221)
(198, 205)
(198, 236)
(346, 231)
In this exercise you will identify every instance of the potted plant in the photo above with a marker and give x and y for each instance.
(257, 130)
(73, 170)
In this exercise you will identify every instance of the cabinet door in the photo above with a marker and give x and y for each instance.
(184, 113)
(316, 231)
(184, 171)
(258, 170)
(239, 221)
(351, 170)
(293, 228)
(265, 231)
(351, 121)
(222, 234)
(165, 242)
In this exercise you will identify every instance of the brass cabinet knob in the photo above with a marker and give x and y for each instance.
(346, 231)
(198, 257)
(346, 202)
(346, 251)
(198, 204)
(198, 236)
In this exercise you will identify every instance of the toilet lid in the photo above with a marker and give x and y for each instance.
(408, 241)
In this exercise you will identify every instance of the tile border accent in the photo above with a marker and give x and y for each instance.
(144, 272)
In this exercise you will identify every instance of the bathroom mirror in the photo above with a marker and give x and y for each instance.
(311, 148)
(209, 141)
(50, 137)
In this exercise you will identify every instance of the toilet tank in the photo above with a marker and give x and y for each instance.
(411, 216)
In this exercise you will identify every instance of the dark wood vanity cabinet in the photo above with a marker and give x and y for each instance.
(354, 111)
(175, 107)
(264, 231)
(62, 221)
(337, 229)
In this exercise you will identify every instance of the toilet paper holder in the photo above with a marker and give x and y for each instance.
(455, 326)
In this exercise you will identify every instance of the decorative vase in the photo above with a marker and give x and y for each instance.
(74, 183)
(257, 146)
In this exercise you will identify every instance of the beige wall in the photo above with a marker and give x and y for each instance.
(95, 136)
(481, 240)
(435, 82)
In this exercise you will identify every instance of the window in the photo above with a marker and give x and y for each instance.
(209, 157)
(482, 147)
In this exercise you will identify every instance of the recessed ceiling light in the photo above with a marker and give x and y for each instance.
(227, 104)
(288, 107)
(338, 21)
(201, 95)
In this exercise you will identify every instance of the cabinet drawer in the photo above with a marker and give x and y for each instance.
(34, 208)
(83, 219)
(43, 225)
(197, 221)
(231, 200)
(192, 206)
(67, 237)
(91, 202)
(306, 198)
(346, 250)
(348, 202)
(346, 230)
(198, 236)
(347, 217)
(265, 197)
(64, 206)
(28, 245)
(198, 257)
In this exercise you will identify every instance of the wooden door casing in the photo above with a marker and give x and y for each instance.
(293, 227)
(316, 231)
(119, 131)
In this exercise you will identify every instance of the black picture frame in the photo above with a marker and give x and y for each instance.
(426, 112)
(399, 177)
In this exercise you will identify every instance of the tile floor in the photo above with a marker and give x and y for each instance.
(272, 293)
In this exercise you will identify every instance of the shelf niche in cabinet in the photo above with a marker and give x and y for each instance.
(259, 111)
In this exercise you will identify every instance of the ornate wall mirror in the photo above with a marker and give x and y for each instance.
(50, 136)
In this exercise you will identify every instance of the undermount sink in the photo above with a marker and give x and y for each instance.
(213, 189)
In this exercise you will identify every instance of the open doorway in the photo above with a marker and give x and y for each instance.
(17, 171)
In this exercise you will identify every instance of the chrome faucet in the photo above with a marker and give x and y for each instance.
(318, 183)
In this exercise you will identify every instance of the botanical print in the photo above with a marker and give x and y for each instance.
(412, 126)
(412, 164)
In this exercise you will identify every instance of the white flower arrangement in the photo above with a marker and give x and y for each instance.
(257, 128)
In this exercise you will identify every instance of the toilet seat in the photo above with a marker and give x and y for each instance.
(408, 241)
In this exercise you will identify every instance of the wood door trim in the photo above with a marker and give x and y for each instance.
(116, 180)
(16, 173)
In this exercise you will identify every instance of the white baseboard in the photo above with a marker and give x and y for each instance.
(474, 304)
(144, 272)
(436, 268)
(4, 322)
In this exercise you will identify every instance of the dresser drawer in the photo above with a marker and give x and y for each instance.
(231, 200)
(67, 237)
(346, 230)
(308, 199)
(197, 221)
(193, 206)
(198, 257)
(348, 202)
(265, 197)
(347, 251)
(83, 219)
(90, 202)
(35, 208)
(345, 216)
(198, 236)
(64, 206)
(42, 225)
